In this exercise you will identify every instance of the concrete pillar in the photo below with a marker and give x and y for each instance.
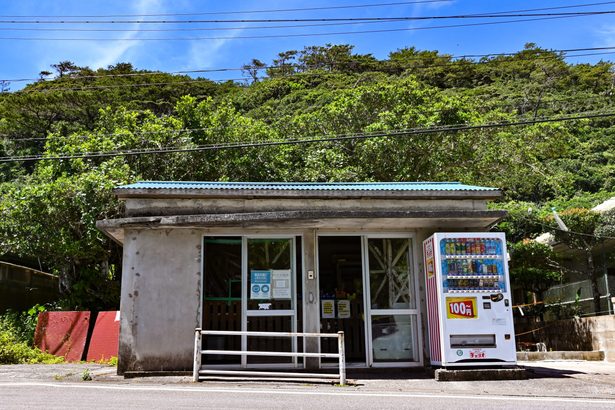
(161, 299)
(421, 235)
(310, 286)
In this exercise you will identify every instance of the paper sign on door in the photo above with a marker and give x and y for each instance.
(280, 281)
(327, 308)
(260, 284)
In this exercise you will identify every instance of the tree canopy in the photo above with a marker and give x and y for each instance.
(368, 115)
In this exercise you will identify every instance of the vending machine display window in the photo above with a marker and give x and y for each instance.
(472, 265)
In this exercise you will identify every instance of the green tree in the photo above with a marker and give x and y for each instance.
(586, 231)
(534, 267)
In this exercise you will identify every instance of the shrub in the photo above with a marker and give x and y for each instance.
(13, 351)
(16, 338)
(22, 324)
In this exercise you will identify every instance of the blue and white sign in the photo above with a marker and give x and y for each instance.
(260, 284)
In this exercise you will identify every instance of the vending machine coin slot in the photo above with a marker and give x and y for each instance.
(497, 297)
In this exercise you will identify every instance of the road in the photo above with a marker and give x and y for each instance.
(63, 395)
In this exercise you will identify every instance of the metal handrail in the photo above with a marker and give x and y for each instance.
(198, 352)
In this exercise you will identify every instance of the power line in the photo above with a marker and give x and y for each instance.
(137, 30)
(269, 26)
(298, 9)
(557, 7)
(310, 140)
(399, 3)
(104, 87)
(553, 228)
(220, 70)
(254, 37)
(320, 19)
(543, 104)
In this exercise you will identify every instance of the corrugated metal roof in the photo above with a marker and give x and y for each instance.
(310, 186)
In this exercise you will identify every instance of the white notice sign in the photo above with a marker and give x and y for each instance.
(327, 308)
(280, 280)
(343, 309)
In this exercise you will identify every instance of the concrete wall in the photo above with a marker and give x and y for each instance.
(583, 334)
(177, 206)
(160, 302)
(603, 335)
(22, 287)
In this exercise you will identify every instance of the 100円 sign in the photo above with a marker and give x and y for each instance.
(461, 308)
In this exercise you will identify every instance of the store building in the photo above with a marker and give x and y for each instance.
(305, 257)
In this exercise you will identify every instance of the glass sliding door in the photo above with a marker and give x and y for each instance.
(269, 297)
(222, 295)
(391, 300)
(340, 283)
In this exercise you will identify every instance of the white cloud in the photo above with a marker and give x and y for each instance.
(207, 53)
(96, 54)
(113, 52)
(606, 35)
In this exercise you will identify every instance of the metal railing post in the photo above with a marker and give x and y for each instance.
(341, 350)
(197, 354)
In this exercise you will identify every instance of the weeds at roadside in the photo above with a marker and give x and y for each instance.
(86, 376)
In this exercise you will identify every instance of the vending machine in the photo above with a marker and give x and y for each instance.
(469, 300)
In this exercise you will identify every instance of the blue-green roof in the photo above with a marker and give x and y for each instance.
(310, 186)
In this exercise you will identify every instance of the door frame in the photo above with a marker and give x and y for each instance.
(416, 312)
(292, 313)
(245, 313)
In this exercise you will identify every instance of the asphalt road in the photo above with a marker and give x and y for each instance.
(63, 395)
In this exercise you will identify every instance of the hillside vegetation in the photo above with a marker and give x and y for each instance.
(101, 128)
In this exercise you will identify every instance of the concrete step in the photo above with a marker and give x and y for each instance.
(595, 355)
(463, 375)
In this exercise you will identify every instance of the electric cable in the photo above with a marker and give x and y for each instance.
(310, 140)
(300, 9)
(497, 15)
(269, 26)
(544, 104)
(219, 70)
(356, 6)
(288, 35)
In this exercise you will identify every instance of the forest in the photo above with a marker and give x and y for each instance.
(530, 123)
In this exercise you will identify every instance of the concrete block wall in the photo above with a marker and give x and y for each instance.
(583, 334)
(160, 301)
(603, 335)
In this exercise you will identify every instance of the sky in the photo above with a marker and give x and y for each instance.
(27, 49)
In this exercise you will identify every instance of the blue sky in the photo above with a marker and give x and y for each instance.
(26, 58)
